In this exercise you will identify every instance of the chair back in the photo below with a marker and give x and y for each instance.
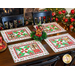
(73, 58)
(41, 14)
(12, 18)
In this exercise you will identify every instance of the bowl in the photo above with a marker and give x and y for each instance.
(5, 44)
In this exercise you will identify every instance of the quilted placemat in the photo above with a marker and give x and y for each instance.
(16, 34)
(61, 42)
(27, 50)
(52, 28)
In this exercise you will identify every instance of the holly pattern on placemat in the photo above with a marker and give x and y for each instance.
(52, 28)
(20, 33)
(29, 49)
(24, 50)
(59, 42)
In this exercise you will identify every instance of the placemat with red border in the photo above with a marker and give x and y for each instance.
(27, 50)
(52, 28)
(16, 34)
(61, 42)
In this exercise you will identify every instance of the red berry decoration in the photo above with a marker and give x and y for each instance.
(56, 19)
(66, 20)
(53, 13)
(72, 11)
(64, 11)
(71, 26)
(72, 19)
(44, 17)
(60, 12)
(36, 27)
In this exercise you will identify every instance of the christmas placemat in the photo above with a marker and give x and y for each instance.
(52, 28)
(16, 34)
(61, 42)
(27, 50)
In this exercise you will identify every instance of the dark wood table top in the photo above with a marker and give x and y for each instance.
(7, 60)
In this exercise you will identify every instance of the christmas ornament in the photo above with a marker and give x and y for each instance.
(66, 20)
(64, 11)
(44, 17)
(72, 19)
(60, 12)
(71, 27)
(72, 11)
(57, 12)
(56, 19)
(53, 13)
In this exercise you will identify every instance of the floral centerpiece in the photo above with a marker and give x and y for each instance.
(38, 34)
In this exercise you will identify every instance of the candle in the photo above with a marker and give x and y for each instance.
(0, 39)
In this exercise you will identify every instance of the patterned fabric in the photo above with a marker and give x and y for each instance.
(16, 34)
(61, 42)
(52, 28)
(27, 50)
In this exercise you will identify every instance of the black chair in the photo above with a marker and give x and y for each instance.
(12, 18)
(50, 62)
(73, 58)
(41, 14)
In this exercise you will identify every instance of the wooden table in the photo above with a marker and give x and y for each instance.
(6, 58)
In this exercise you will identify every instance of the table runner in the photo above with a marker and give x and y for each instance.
(52, 28)
(16, 34)
(27, 50)
(61, 42)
